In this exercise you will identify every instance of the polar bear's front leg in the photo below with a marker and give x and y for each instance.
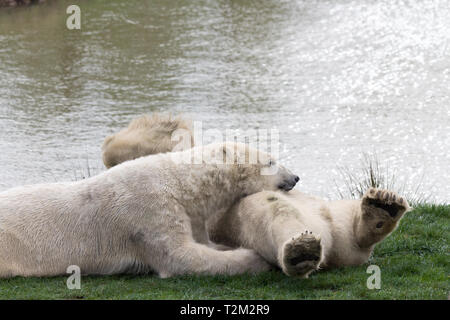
(169, 249)
(196, 258)
(381, 210)
(217, 246)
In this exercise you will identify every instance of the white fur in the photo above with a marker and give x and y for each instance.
(147, 214)
(346, 229)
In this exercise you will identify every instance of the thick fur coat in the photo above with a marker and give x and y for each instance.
(147, 214)
(144, 136)
(301, 233)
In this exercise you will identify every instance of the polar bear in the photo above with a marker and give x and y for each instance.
(144, 136)
(300, 233)
(144, 215)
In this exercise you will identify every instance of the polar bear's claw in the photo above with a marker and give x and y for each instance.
(301, 255)
(386, 200)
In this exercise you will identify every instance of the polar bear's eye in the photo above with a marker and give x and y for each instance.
(271, 163)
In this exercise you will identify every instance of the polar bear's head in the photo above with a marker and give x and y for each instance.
(257, 170)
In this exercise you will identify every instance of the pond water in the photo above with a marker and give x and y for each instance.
(336, 78)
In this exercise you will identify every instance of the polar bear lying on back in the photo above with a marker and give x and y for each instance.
(301, 234)
(298, 232)
(143, 215)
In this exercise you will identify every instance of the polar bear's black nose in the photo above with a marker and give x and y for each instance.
(289, 183)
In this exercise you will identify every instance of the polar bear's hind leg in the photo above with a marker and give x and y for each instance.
(301, 255)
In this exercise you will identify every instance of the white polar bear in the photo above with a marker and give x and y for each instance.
(298, 232)
(144, 215)
(301, 234)
(144, 136)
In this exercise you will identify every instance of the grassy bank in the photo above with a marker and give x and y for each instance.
(414, 263)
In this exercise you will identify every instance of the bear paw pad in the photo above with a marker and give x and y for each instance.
(302, 255)
(386, 200)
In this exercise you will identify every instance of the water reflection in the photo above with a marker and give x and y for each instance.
(337, 78)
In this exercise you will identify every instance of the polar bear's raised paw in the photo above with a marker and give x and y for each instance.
(301, 255)
(386, 200)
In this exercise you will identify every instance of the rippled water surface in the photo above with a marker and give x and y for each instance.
(336, 78)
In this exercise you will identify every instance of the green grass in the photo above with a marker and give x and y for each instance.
(414, 263)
